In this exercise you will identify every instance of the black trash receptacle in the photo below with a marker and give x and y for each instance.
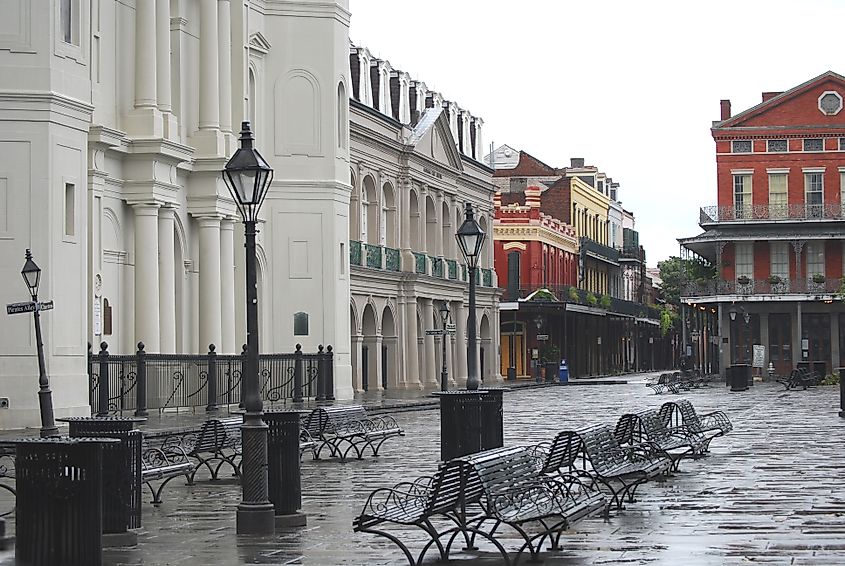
(460, 423)
(283, 470)
(841, 372)
(492, 429)
(59, 509)
(121, 472)
(740, 375)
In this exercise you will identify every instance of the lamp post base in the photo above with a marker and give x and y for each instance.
(255, 519)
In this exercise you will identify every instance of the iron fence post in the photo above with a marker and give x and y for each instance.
(329, 373)
(103, 382)
(297, 374)
(321, 374)
(141, 380)
(211, 380)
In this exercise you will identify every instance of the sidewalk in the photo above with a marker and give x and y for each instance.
(770, 492)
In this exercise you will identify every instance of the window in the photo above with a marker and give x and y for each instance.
(742, 196)
(815, 258)
(107, 318)
(814, 193)
(343, 259)
(813, 144)
(70, 212)
(300, 324)
(841, 144)
(342, 120)
(741, 146)
(842, 196)
(776, 145)
(779, 259)
(777, 195)
(745, 260)
(68, 14)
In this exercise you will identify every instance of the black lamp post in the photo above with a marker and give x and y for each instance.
(248, 177)
(444, 372)
(470, 238)
(32, 277)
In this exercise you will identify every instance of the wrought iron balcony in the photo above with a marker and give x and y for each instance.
(487, 277)
(373, 253)
(420, 262)
(355, 252)
(452, 268)
(771, 286)
(391, 259)
(599, 251)
(771, 213)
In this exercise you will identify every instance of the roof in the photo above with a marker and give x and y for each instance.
(528, 166)
(705, 243)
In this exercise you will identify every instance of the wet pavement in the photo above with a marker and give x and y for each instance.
(770, 492)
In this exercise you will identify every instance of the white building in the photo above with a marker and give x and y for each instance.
(118, 118)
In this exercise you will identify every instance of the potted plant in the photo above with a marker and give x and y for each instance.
(591, 299)
(573, 294)
(775, 280)
(605, 302)
(743, 280)
(549, 360)
(818, 278)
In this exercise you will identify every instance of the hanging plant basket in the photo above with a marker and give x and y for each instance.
(775, 280)
(818, 278)
(743, 280)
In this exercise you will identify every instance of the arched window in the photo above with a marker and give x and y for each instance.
(342, 116)
(388, 216)
(251, 98)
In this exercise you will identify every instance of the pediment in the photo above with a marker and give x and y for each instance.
(259, 43)
(811, 103)
(433, 138)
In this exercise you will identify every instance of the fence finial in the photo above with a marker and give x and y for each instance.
(211, 348)
(104, 346)
(141, 346)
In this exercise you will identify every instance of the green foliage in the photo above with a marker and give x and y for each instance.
(840, 294)
(831, 379)
(666, 321)
(573, 294)
(591, 299)
(543, 295)
(818, 278)
(675, 271)
(549, 353)
(605, 302)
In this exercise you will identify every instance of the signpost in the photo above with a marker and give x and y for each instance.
(449, 329)
(29, 306)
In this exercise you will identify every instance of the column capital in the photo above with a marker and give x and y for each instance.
(145, 208)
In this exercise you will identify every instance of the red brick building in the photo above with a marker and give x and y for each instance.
(776, 234)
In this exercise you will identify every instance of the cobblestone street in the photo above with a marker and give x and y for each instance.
(770, 492)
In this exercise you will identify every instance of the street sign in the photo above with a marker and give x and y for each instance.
(542, 337)
(29, 306)
(435, 332)
(451, 327)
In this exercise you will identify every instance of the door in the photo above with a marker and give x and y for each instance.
(780, 343)
(513, 344)
(815, 329)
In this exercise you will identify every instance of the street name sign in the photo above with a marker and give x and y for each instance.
(435, 332)
(29, 306)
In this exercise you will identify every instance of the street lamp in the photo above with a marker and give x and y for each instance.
(32, 277)
(445, 318)
(248, 177)
(470, 238)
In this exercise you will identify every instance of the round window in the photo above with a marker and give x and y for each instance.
(830, 103)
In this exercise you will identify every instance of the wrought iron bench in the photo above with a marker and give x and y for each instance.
(216, 440)
(164, 463)
(349, 426)
(647, 426)
(661, 384)
(7, 474)
(801, 377)
(604, 461)
(710, 425)
(500, 485)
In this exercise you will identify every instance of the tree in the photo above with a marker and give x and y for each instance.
(676, 271)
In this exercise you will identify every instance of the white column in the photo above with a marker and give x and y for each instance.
(167, 281)
(227, 287)
(357, 365)
(411, 362)
(438, 217)
(145, 56)
(209, 284)
(431, 370)
(423, 208)
(224, 49)
(459, 315)
(163, 86)
(146, 276)
(209, 91)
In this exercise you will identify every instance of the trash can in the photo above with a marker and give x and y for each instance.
(460, 423)
(121, 473)
(59, 509)
(492, 429)
(283, 470)
(563, 372)
(740, 374)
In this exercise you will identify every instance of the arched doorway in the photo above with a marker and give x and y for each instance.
(513, 348)
(369, 350)
(356, 348)
(388, 217)
(389, 349)
(486, 353)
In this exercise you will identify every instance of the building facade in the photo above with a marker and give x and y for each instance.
(118, 119)
(775, 236)
(414, 166)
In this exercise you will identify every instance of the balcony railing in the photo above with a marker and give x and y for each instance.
(354, 252)
(783, 286)
(391, 259)
(487, 277)
(567, 294)
(373, 255)
(436, 266)
(452, 268)
(771, 212)
(600, 250)
(419, 262)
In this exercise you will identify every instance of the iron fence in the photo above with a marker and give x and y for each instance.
(767, 212)
(770, 286)
(142, 381)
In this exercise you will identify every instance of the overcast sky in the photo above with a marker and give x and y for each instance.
(630, 86)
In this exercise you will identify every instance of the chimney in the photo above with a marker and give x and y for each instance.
(576, 162)
(726, 109)
(768, 95)
(532, 196)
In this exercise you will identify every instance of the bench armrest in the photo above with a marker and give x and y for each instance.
(383, 422)
(533, 494)
(645, 451)
(385, 499)
(716, 419)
